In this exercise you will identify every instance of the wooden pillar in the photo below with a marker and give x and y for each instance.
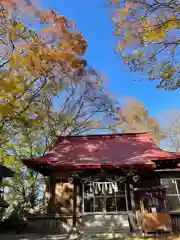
(0, 182)
(132, 207)
(133, 204)
(1, 188)
(74, 233)
(75, 203)
(129, 206)
(52, 185)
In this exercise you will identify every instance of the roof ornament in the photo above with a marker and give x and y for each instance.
(70, 179)
(120, 179)
(113, 178)
(136, 178)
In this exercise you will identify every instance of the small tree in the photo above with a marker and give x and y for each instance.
(169, 122)
(80, 108)
(132, 116)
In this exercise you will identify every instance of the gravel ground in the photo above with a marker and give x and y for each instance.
(32, 237)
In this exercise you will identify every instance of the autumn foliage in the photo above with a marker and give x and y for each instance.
(34, 64)
(132, 116)
(148, 38)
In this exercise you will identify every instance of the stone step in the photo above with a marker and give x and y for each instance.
(103, 229)
(103, 236)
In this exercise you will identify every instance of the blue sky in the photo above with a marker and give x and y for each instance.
(93, 21)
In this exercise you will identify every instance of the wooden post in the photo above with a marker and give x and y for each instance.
(74, 204)
(52, 184)
(74, 233)
(132, 215)
(0, 186)
(133, 205)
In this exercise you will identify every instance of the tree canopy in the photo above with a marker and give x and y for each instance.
(34, 63)
(79, 106)
(148, 38)
(133, 116)
(36, 67)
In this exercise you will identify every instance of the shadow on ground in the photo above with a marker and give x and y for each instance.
(32, 237)
(65, 237)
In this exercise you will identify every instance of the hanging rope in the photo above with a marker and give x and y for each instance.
(114, 179)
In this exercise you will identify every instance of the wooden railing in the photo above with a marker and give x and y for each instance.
(63, 224)
(49, 224)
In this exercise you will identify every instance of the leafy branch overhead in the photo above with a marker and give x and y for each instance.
(34, 63)
(148, 38)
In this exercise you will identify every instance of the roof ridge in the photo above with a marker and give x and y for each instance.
(106, 134)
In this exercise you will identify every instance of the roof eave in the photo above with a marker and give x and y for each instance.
(6, 172)
(36, 165)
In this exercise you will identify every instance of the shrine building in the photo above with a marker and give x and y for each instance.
(109, 183)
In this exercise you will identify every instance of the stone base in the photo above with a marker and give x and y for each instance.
(74, 233)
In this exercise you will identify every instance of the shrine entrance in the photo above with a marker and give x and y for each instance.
(105, 207)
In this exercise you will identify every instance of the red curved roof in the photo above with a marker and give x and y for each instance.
(108, 150)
